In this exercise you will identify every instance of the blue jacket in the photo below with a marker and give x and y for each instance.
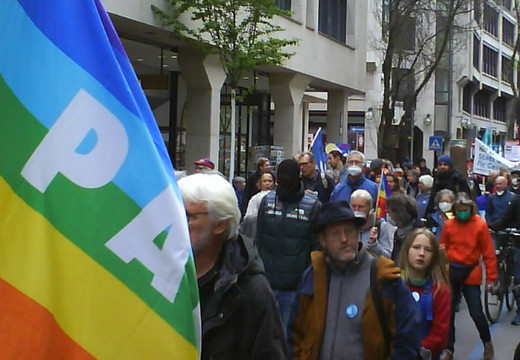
(497, 205)
(343, 190)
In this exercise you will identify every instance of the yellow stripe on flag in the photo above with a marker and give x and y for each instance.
(92, 306)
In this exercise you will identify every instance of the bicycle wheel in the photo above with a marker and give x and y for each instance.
(493, 302)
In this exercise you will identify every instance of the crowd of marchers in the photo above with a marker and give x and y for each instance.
(359, 262)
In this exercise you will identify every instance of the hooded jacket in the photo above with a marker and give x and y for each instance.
(310, 314)
(285, 236)
(240, 318)
(465, 243)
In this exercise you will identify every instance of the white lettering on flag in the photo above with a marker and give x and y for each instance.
(135, 241)
(57, 153)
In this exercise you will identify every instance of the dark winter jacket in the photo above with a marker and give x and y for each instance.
(511, 217)
(240, 318)
(285, 237)
(310, 313)
(323, 186)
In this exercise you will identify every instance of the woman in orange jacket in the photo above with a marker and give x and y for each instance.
(466, 240)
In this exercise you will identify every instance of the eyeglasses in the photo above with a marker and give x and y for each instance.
(193, 216)
(304, 163)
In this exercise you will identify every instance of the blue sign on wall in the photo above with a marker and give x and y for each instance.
(436, 143)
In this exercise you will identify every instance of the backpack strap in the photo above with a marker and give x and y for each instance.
(378, 303)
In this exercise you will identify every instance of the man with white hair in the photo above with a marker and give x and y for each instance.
(240, 318)
(423, 196)
(377, 234)
(355, 179)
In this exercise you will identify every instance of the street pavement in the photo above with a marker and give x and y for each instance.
(468, 345)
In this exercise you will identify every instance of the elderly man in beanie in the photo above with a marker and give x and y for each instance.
(286, 217)
(447, 178)
(341, 294)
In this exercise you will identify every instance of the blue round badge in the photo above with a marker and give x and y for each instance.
(351, 311)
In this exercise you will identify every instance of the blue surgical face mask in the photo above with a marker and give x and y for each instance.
(462, 215)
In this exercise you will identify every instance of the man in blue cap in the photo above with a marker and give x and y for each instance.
(447, 178)
(351, 305)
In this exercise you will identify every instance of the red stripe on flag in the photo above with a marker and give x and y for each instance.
(29, 331)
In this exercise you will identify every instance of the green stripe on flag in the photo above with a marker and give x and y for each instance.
(87, 217)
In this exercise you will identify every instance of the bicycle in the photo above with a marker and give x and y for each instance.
(502, 291)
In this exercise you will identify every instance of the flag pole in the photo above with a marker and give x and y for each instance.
(315, 137)
(377, 200)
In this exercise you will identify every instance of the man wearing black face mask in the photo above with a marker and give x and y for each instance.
(285, 239)
(355, 179)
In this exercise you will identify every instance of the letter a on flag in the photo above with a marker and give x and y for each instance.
(95, 258)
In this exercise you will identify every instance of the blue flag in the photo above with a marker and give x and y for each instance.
(319, 152)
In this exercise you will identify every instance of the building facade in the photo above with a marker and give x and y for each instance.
(188, 93)
(471, 89)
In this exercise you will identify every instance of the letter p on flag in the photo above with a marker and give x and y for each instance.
(58, 151)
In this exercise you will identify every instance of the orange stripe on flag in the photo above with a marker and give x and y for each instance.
(29, 331)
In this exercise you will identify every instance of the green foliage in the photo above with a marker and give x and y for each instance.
(239, 31)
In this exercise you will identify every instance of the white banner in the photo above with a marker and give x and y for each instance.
(487, 160)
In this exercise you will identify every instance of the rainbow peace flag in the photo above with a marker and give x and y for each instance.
(383, 193)
(95, 258)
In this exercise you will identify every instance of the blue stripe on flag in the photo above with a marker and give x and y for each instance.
(49, 71)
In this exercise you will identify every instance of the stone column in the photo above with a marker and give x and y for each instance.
(337, 116)
(287, 92)
(204, 77)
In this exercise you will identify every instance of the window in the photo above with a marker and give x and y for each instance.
(333, 19)
(507, 69)
(499, 109)
(481, 104)
(403, 84)
(283, 4)
(476, 52)
(490, 20)
(508, 32)
(466, 97)
(442, 88)
(489, 61)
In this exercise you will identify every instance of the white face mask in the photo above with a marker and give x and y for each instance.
(500, 193)
(445, 206)
(354, 170)
(360, 214)
(514, 181)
